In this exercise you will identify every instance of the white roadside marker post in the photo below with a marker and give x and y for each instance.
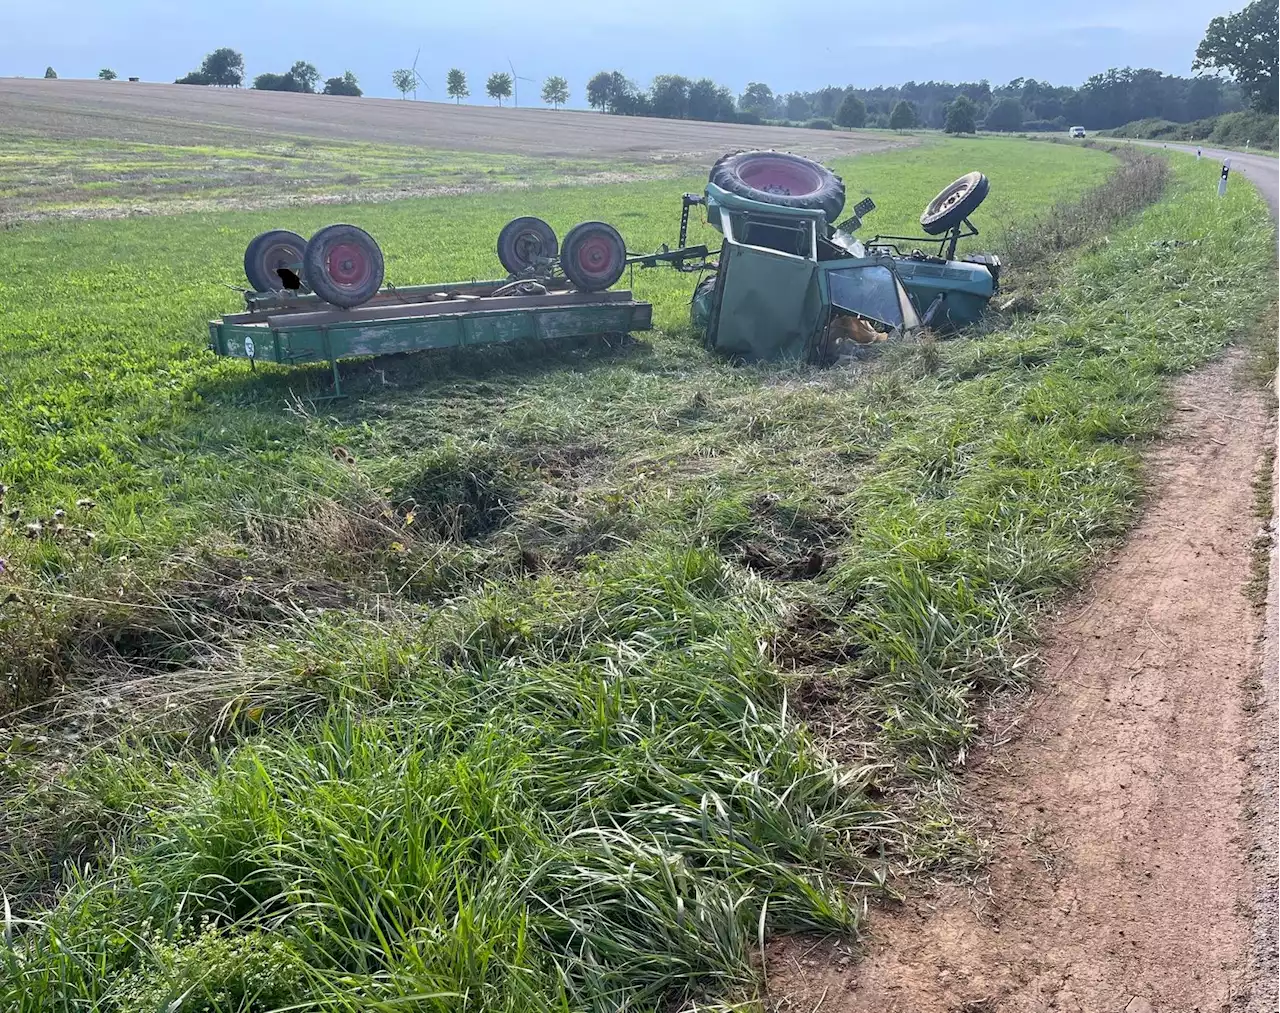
(1222, 181)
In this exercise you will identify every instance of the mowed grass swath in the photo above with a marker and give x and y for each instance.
(537, 683)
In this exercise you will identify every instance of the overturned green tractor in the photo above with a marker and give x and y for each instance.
(793, 282)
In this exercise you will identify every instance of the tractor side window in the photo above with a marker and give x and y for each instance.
(783, 238)
(790, 237)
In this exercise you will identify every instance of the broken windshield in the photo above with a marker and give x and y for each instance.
(873, 292)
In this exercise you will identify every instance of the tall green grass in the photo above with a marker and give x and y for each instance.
(584, 755)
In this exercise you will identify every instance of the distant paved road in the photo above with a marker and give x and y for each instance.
(185, 114)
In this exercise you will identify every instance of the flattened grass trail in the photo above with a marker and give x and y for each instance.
(534, 682)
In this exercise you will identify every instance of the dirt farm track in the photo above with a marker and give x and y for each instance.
(182, 114)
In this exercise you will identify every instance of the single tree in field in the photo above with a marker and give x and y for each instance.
(962, 116)
(344, 85)
(903, 116)
(405, 81)
(455, 85)
(50, 74)
(1005, 115)
(304, 76)
(555, 91)
(852, 112)
(224, 67)
(498, 86)
(1245, 45)
(106, 74)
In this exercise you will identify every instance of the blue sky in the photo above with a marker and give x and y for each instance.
(850, 42)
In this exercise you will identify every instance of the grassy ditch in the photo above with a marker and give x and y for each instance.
(563, 683)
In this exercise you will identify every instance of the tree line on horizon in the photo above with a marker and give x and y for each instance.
(1243, 44)
(1109, 99)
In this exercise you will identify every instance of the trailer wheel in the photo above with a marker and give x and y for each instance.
(343, 265)
(956, 203)
(779, 177)
(523, 241)
(593, 256)
(269, 254)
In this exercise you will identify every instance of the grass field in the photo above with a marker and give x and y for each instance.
(520, 682)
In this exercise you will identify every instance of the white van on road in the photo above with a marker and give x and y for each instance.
(1077, 131)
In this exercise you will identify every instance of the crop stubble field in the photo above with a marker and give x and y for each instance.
(87, 149)
(533, 681)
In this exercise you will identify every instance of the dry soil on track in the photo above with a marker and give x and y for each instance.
(1129, 859)
(182, 114)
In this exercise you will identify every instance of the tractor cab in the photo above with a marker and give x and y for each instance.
(784, 290)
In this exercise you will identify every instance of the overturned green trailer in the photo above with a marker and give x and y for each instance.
(297, 329)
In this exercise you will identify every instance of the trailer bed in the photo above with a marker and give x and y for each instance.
(293, 329)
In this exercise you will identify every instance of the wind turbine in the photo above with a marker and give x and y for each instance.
(515, 87)
(418, 77)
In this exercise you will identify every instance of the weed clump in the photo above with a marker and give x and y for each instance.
(459, 494)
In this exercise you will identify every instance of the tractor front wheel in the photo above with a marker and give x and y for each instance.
(343, 265)
(956, 203)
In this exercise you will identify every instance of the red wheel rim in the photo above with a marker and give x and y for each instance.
(348, 265)
(595, 256)
(781, 176)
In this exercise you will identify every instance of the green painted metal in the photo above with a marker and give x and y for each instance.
(263, 342)
(784, 271)
(771, 305)
(966, 288)
(781, 280)
(292, 331)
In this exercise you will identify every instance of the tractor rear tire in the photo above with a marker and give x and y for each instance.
(956, 203)
(781, 178)
(343, 265)
(267, 254)
(593, 256)
(523, 241)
